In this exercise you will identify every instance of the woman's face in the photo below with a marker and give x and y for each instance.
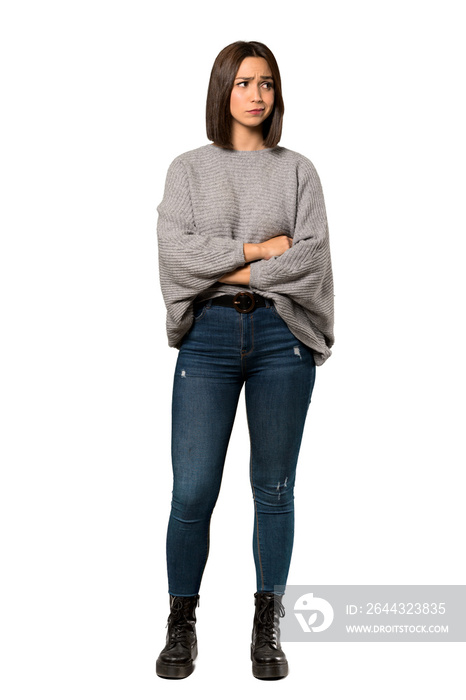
(253, 89)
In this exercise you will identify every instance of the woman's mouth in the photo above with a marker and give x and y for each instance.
(255, 111)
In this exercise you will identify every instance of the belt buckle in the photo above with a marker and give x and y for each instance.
(238, 298)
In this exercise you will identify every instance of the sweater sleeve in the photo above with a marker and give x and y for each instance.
(189, 262)
(304, 272)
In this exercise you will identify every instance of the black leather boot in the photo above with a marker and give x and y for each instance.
(268, 658)
(176, 658)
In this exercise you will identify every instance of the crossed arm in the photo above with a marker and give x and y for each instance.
(273, 247)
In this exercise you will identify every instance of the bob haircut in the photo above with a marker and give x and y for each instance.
(222, 77)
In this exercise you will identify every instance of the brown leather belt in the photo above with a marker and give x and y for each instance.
(243, 302)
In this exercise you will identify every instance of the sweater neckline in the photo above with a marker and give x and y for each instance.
(241, 153)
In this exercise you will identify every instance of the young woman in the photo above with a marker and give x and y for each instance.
(246, 276)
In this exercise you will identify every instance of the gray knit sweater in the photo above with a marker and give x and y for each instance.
(214, 201)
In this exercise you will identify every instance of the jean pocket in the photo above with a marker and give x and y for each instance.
(200, 311)
(275, 312)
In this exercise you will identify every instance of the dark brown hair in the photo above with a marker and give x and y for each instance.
(218, 116)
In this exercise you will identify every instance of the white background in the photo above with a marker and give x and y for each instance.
(98, 98)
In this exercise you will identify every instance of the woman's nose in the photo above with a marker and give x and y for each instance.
(257, 94)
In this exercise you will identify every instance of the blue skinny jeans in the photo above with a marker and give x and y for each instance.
(222, 351)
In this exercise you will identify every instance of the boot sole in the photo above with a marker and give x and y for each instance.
(269, 671)
(176, 671)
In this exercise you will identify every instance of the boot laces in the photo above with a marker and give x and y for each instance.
(178, 626)
(266, 631)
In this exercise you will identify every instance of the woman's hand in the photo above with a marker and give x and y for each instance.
(273, 247)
